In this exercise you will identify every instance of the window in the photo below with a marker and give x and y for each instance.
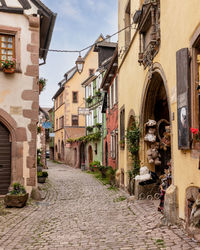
(99, 114)
(7, 47)
(113, 146)
(116, 89)
(122, 127)
(56, 124)
(75, 97)
(61, 99)
(91, 72)
(128, 23)
(111, 96)
(74, 120)
(56, 103)
(61, 122)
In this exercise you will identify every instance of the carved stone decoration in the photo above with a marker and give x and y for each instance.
(149, 28)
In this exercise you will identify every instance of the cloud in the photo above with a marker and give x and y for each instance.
(71, 10)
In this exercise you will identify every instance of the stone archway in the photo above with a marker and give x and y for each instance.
(5, 159)
(17, 136)
(156, 106)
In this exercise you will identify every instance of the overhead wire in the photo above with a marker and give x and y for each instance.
(88, 47)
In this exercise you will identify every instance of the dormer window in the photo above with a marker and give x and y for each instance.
(149, 28)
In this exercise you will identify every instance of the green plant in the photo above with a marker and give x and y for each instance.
(94, 165)
(98, 125)
(17, 189)
(103, 169)
(42, 174)
(98, 93)
(120, 198)
(8, 64)
(39, 129)
(133, 139)
(42, 82)
(89, 99)
(91, 137)
(89, 128)
(111, 175)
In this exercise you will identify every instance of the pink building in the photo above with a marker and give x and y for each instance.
(110, 107)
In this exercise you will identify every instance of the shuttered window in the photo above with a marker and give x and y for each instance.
(7, 47)
(122, 125)
(183, 97)
(74, 120)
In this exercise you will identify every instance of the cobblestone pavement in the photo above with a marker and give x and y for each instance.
(78, 212)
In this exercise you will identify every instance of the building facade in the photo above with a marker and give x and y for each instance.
(110, 107)
(23, 32)
(158, 80)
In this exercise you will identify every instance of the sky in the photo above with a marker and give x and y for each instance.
(78, 24)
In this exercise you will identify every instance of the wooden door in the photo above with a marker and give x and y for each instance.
(5, 159)
(90, 154)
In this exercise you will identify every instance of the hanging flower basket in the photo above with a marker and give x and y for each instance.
(42, 84)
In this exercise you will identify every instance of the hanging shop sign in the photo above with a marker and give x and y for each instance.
(83, 111)
(46, 125)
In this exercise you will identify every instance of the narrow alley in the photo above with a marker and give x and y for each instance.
(78, 212)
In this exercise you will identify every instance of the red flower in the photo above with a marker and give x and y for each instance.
(194, 130)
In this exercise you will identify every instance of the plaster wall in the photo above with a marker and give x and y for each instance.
(178, 21)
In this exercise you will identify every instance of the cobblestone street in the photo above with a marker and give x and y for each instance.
(78, 212)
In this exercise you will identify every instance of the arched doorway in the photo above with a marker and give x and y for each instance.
(156, 107)
(90, 154)
(5, 159)
(82, 155)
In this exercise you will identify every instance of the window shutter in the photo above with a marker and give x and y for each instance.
(92, 89)
(100, 114)
(92, 118)
(86, 92)
(114, 92)
(183, 97)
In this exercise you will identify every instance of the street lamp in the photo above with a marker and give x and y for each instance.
(79, 64)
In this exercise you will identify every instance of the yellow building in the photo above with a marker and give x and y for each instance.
(73, 95)
(59, 109)
(158, 78)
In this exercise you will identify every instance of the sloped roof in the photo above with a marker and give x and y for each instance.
(70, 73)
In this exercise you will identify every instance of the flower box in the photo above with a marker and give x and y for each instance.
(9, 71)
(11, 200)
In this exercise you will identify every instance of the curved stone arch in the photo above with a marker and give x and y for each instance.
(153, 77)
(18, 135)
(156, 68)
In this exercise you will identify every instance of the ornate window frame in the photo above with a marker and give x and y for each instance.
(149, 24)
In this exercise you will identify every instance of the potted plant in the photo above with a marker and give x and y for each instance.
(8, 66)
(98, 125)
(42, 83)
(98, 93)
(89, 128)
(39, 129)
(17, 197)
(89, 100)
(196, 137)
(42, 176)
